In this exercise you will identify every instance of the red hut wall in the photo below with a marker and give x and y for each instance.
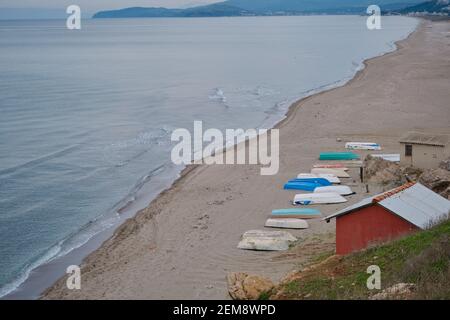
(373, 224)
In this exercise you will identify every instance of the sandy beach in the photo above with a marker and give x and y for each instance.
(184, 243)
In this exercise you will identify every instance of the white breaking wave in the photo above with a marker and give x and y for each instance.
(218, 95)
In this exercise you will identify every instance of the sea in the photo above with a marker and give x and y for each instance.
(86, 115)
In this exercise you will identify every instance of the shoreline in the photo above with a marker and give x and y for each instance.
(78, 254)
(193, 170)
(134, 226)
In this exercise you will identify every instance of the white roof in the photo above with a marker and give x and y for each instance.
(412, 202)
(394, 157)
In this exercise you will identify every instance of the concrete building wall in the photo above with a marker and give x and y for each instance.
(424, 156)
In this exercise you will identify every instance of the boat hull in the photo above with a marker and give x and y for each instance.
(305, 186)
(342, 190)
(263, 240)
(287, 223)
(362, 146)
(337, 172)
(393, 157)
(322, 181)
(318, 198)
(297, 213)
(338, 156)
(331, 166)
(263, 244)
(330, 177)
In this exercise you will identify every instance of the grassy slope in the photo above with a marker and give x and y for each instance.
(422, 258)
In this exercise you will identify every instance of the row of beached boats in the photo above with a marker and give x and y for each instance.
(322, 185)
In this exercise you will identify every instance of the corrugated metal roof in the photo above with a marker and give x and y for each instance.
(361, 204)
(415, 203)
(423, 138)
(389, 193)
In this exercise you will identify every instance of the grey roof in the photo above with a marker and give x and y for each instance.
(423, 138)
(416, 204)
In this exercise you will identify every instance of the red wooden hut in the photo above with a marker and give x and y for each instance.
(387, 216)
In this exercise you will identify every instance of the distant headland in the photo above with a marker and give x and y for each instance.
(232, 8)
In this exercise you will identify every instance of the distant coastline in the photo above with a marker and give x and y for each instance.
(233, 8)
(82, 252)
(243, 8)
(155, 225)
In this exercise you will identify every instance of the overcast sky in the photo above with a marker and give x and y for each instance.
(95, 5)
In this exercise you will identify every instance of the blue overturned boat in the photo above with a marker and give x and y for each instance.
(306, 184)
(322, 181)
(301, 185)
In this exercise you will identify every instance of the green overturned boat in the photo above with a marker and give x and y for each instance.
(338, 156)
(302, 213)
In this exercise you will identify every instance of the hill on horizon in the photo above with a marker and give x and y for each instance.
(259, 7)
(429, 7)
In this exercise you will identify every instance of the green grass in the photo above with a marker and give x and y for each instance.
(322, 256)
(264, 296)
(422, 258)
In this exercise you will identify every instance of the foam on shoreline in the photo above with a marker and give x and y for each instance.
(140, 196)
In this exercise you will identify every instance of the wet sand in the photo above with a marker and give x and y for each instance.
(184, 243)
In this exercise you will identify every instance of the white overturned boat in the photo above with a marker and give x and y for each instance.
(342, 190)
(282, 235)
(362, 146)
(266, 240)
(263, 244)
(352, 164)
(331, 166)
(393, 157)
(318, 198)
(330, 177)
(334, 171)
(287, 223)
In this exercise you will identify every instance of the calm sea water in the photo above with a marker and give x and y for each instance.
(86, 116)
